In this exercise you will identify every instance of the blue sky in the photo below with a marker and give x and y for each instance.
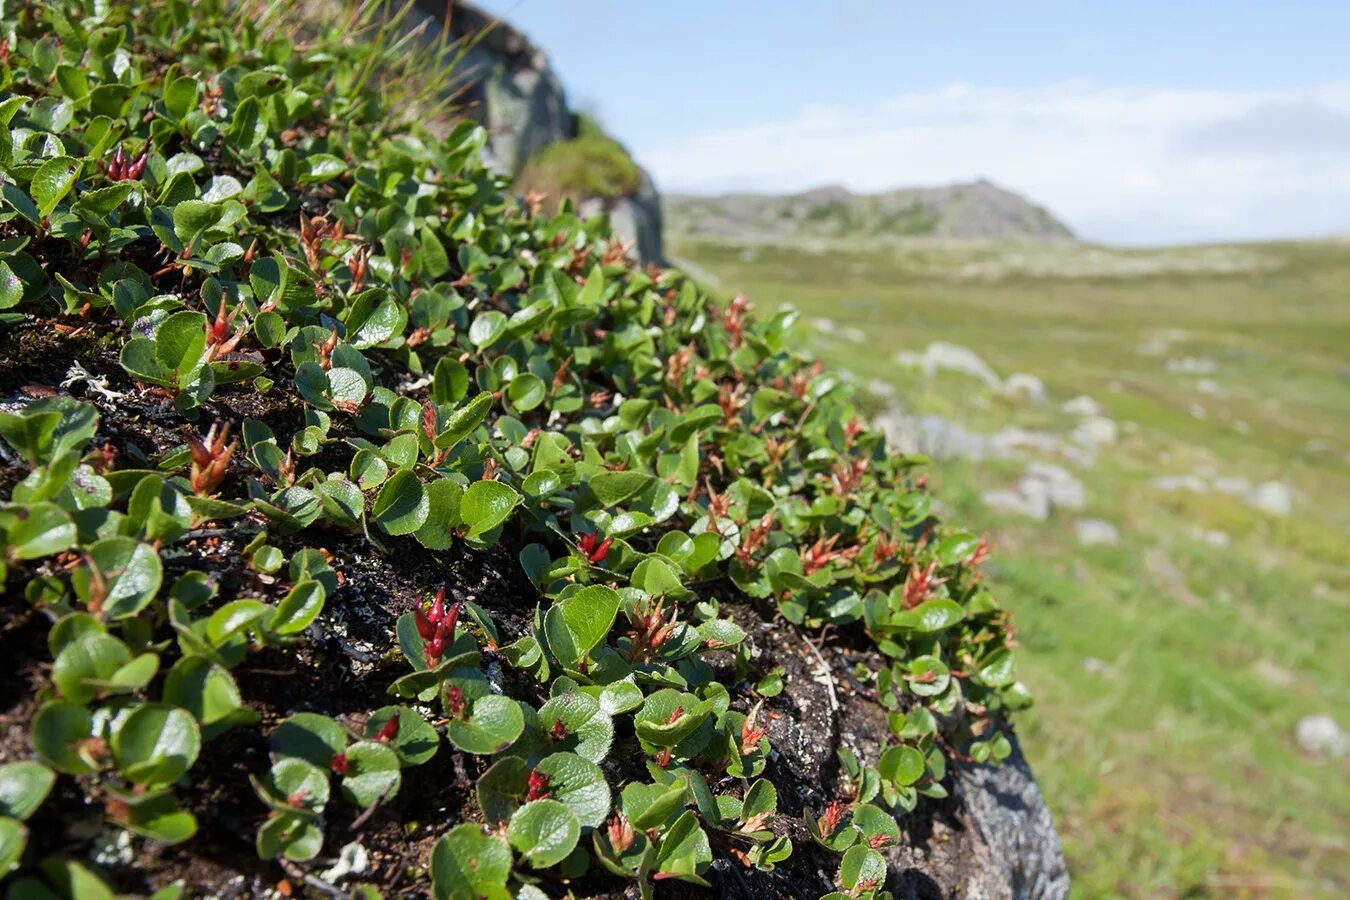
(1142, 122)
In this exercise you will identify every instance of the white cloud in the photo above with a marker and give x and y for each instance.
(1129, 165)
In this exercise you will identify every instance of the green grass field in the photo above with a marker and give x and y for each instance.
(1169, 671)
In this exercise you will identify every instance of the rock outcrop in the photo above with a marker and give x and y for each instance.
(509, 86)
(979, 210)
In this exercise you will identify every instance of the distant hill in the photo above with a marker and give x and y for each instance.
(979, 210)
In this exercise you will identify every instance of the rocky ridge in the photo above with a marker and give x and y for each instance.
(510, 87)
(978, 210)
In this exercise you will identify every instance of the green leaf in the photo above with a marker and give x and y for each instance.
(684, 850)
(192, 217)
(23, 787)
(494, 725)
(372, 774)
(13, 839)
(526, 391)
(11, 289)
(103, 201)
(180, 342)
(997, 669)
(450, 381)
(485, 505)
(131, 570)
(209, 692)
(289, 834)
(311, 737)
(51, 183)
(467, 864)
(34, 531)
(544, 831)
(903, 765)
(578, 784)
(156, 744)
(575, 626)
(94, 657)
(301, 606)
(416, 741)
(59, 730)
(463, 421)
(342, 501)
(402, 505)
(929, 676)
(612, 488)
(652, 805)
(862, 865)
(487, 328)
(935, 615)
(443, 500)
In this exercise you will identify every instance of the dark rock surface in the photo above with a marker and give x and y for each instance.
(510, 87)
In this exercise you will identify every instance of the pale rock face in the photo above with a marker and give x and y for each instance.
(1096, 431)
(1191, 365)
(1096, 532)
(1321, 736)
(942, 356)
(1041, 488)
(1082, 405)
(1025, 387)
(1272, 497)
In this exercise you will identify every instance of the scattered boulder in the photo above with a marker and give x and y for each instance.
(932, 435)
(1096, 431)
(1040, 489)
(878, 388)
(1015, 502)
(1321, 736)
(1082, 405)
(1212, 536)
(1025, 387)
(1096, 532)
(1272, 497)
(1059, 486)
(941, 355)
(1192, 365)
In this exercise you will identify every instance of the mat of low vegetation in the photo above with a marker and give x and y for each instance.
(357, 515)
(1172, 661)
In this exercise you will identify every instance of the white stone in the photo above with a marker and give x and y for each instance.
(1096, 431)
(1095, 532)
(878, 388)
(1321, 736)
(1026, 387)
(1169, 483)
(1082, 405)
(1059, 486)
(1272, 497)
(1213, 536)
(951, 357)
(1191, 365)
(1152, 347)
(1015, 502)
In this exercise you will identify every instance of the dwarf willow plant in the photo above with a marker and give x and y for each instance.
(232, 214)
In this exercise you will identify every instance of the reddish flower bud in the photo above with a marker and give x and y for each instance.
(389, 731)
(538, 786)
(424, 625)
(559, 731)
(454, 702)
(338, 764)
